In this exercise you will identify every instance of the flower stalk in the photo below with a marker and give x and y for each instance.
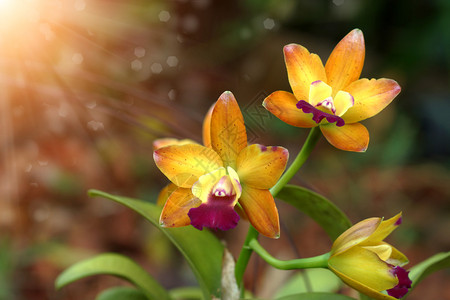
(252, 234)
(320, 261)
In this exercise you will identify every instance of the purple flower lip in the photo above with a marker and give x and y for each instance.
(319, 115)
(217, 213)
(404, 283)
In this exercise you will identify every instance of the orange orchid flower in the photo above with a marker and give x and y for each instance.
(332, 97)
(226, 175)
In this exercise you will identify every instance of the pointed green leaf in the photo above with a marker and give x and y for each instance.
(202, 250)
(428, 266)
(316, 296)
(321, 210)
(114, 264)
(122, 293)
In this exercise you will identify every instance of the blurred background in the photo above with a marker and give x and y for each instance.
(87, 85)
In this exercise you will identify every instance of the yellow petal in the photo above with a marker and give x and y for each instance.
(158, 143)
(346, 61)
(373, 294)
(261, 167)
(397, 258)
(365, 268)
(387, 252)
(175, 212)
(184, 164)
(228, 134)
(206, 130)
(385, 228)
(259, 206)
(165, 193)
(318, 92)
(371, 97)
(303, 68)
(350, 137)
(283, 106)
(355, 235)
(203, 187)
(342, 102)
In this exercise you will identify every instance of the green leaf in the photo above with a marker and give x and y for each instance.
(321, 210)
(321, 280)
(316, 296)
(114, 264)
(202, 250)
(428, 266)
(122, 293)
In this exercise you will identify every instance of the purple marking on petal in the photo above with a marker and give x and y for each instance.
(404, 283)
(399, 221)
(316, 82)
(319, 115)
(263, 148)
(274, 148)
(217, 213)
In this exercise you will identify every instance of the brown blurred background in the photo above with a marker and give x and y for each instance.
(87, 85)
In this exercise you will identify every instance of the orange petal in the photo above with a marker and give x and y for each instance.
(175, 212)
(184, 164)
(303, 68)
(165, 193)
(207, 128)
(346, 61)
(261, 167)
(371, 97)
(261, 211)
(355, 235)
(350, 137)
(159, 143)
(228, 134)
(283, 106)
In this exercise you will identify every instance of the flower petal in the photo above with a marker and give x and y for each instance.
(159, 143)
(261, 167)
(165, 193)
(318, 92)
(355, 235)
(228, 134)
(175, 212)
(205, 183)
(261, 211)
(206, 129)
(303, 68)
(350, 137)
(371, 97)
(342, 102)
(346, 61)
(283, 106)
(364, 268)
(184, 164)
(386, 252)
(385, 228)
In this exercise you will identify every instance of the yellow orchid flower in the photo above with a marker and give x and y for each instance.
(366, 263)
(213, 181)
(334, 94)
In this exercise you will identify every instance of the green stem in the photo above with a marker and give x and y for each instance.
(252, 234)
(304, 153)
(320, 261)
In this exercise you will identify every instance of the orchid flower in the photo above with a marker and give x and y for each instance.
(366, 263)
(212, 182)
(332, 97)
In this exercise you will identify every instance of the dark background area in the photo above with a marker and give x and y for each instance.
(86, 86)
